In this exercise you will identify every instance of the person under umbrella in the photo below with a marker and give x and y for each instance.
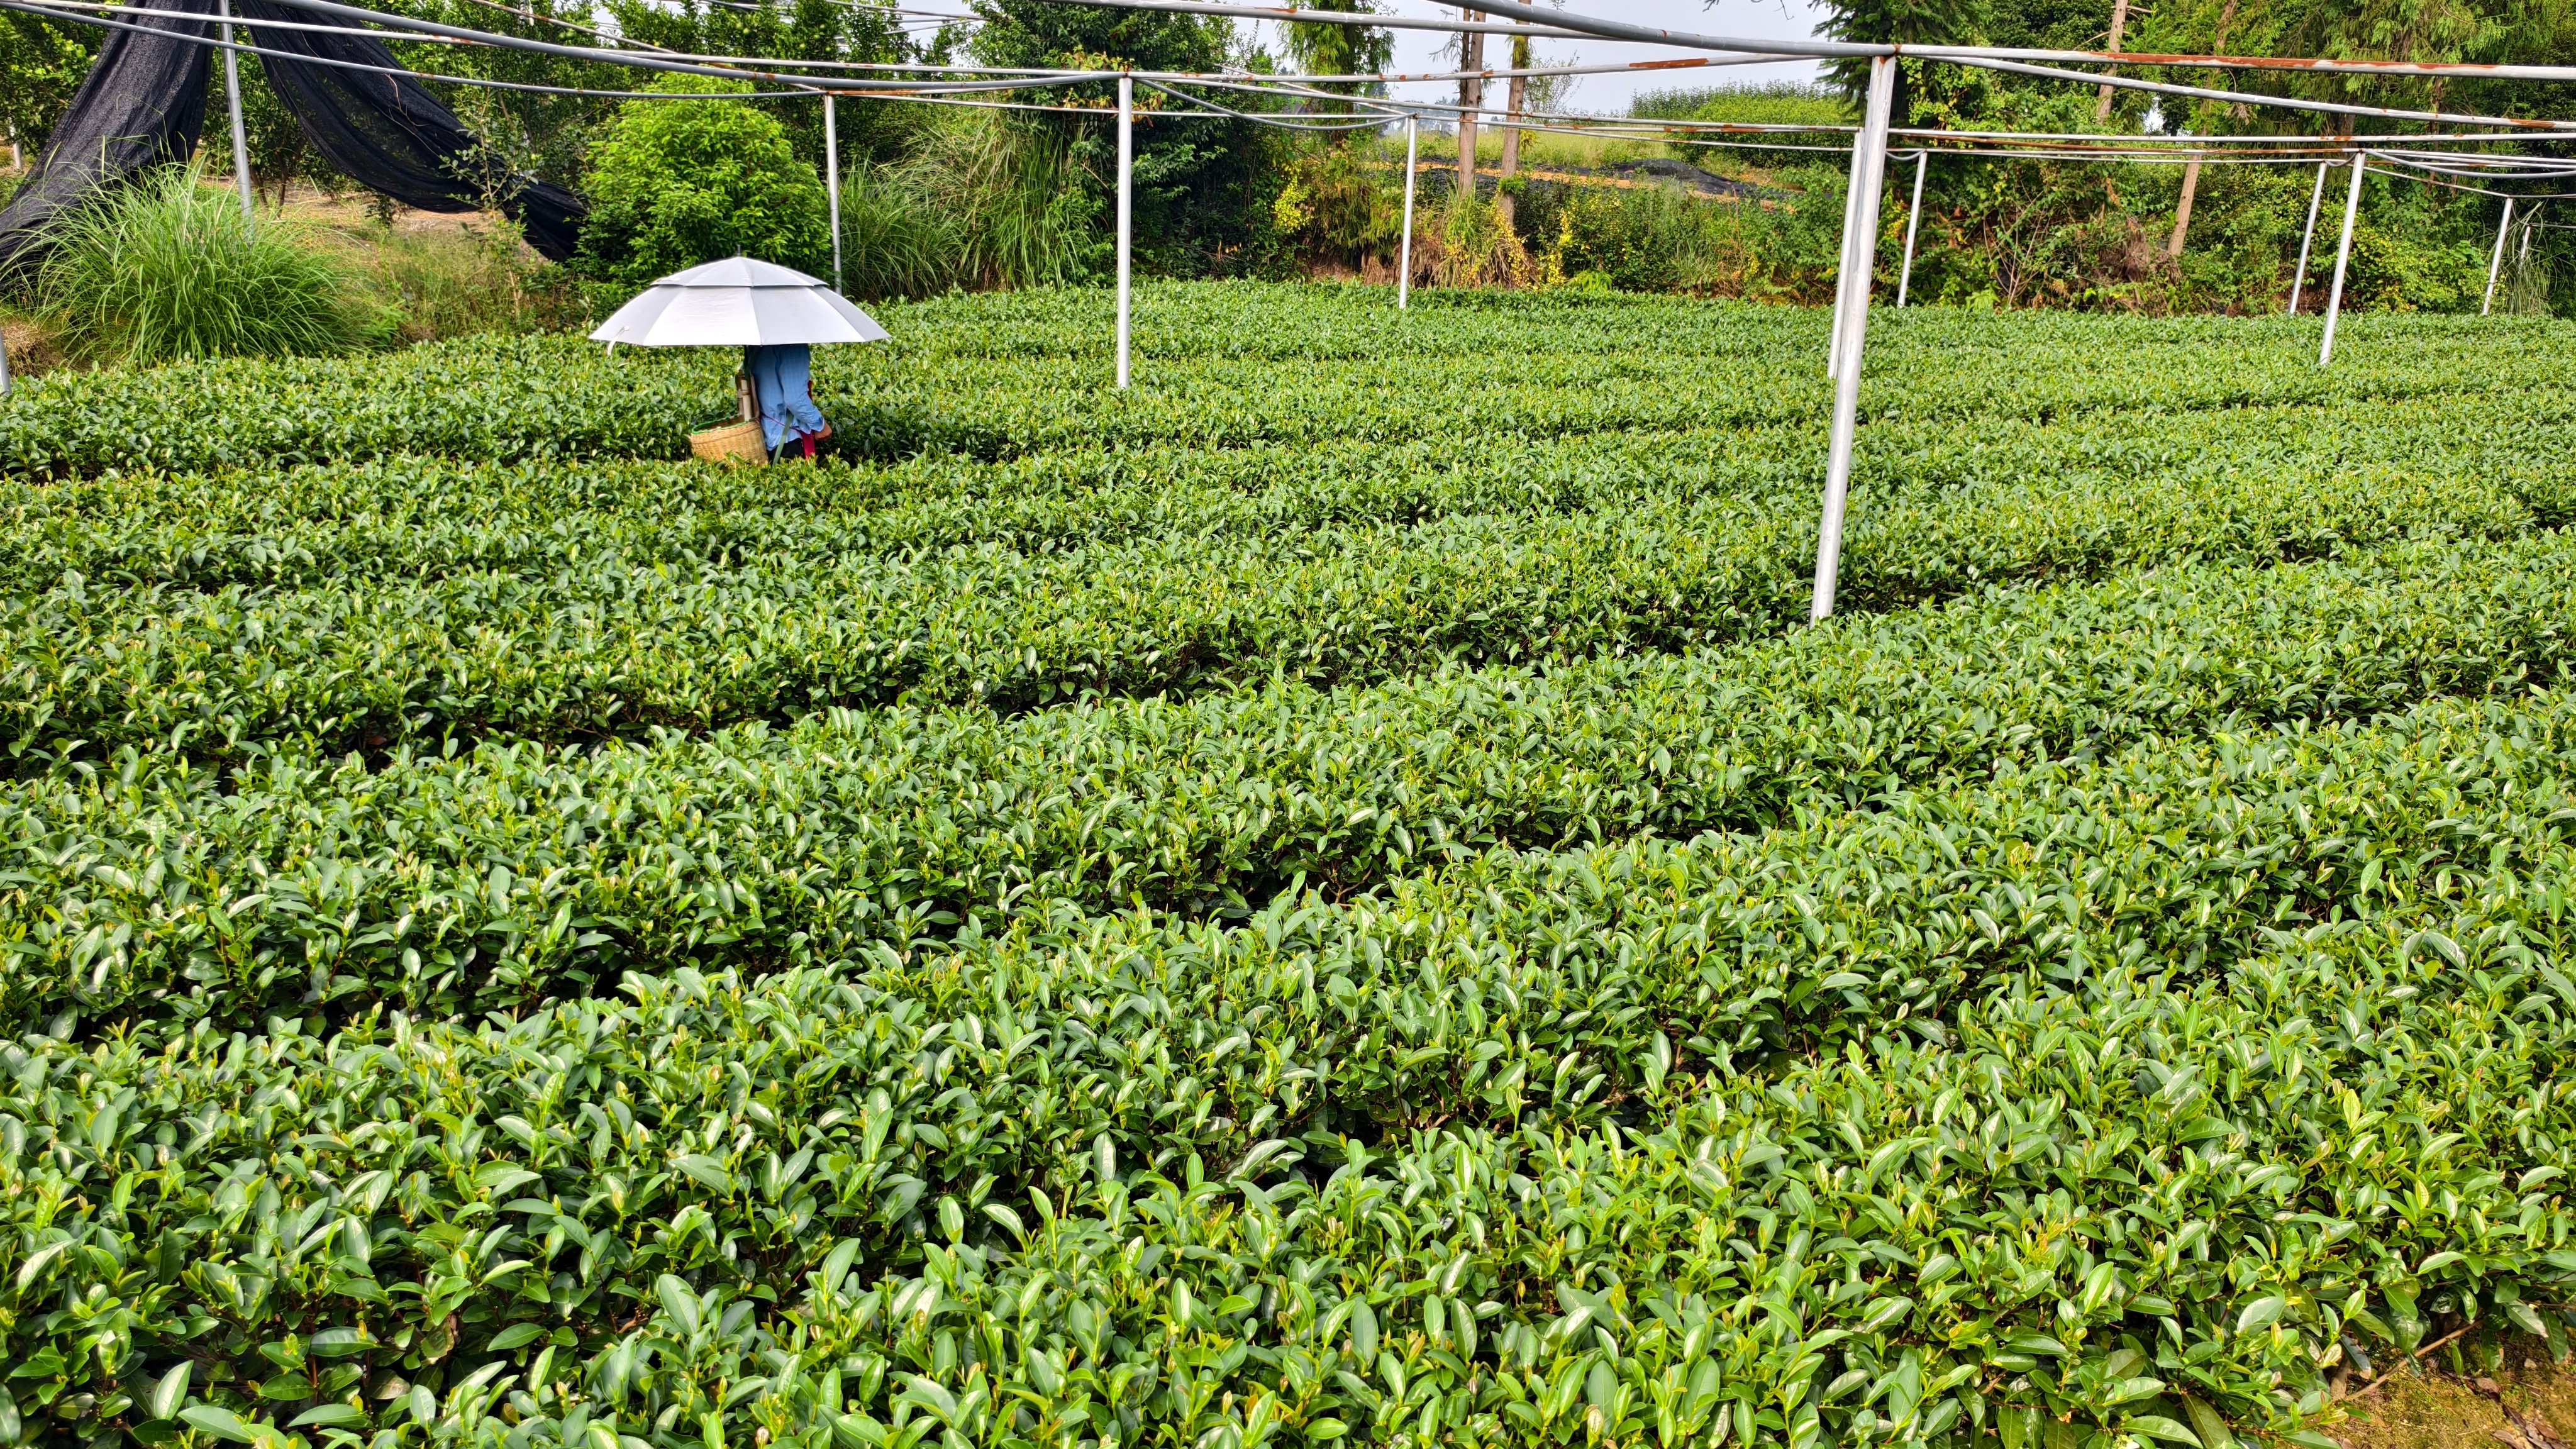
(773, 313)
(782, 377)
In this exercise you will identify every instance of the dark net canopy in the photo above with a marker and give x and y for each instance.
(389, 134)
(144, 103)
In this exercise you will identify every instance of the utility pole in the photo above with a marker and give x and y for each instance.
(1517, 100)
(2119, 22)
(2191, 172)
(1471, 99)
(2182, 210)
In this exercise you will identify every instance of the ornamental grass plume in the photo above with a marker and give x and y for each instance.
(166, 269)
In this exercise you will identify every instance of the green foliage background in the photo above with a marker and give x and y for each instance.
(673, 184)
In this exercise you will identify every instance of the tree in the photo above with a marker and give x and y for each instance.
(1515, 101)
(1897, 22)
(1203, 188)
(1471, 100)
(41, 64)
(1340, 49)
(679, 182)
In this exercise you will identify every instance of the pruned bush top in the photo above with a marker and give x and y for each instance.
(681, 182)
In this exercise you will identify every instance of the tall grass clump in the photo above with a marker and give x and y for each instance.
(165, 269)
(476, 278)
(895, 239)
(1017, 197)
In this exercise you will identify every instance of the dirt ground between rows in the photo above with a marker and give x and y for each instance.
(2531, 1405)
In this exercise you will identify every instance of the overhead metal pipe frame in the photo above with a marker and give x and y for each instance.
(1851, 330)
(2307, 238)
(2495, 263)
(1913, 218)
(1126, 210)
(2343, 258)
(1404, 249)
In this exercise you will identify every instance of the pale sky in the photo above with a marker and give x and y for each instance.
(1416, 50)
(1609, 94)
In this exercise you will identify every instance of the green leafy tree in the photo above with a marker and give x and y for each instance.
(1340, 49)
(679, 182)
(833, 30)
(1204, 189)
(41, 64)
(1898, 22)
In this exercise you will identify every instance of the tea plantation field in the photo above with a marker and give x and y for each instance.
(1327, 898)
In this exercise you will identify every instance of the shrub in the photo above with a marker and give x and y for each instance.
(895, 239)
(478, 278)
(1016, 196)
(1767, 102)
(1343, 204)
(680, 182)
(1643, 240)
(168, 269)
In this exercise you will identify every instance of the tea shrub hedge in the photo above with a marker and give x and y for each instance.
(1322, 900)
(488, 878)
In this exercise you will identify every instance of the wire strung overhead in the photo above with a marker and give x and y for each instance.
(898, 80)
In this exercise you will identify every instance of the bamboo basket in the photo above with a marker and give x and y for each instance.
(732, 443)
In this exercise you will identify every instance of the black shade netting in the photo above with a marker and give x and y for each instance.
(390, 135)
(142, 105)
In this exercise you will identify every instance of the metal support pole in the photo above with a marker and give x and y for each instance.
(1404, 250)
(2343, 256)
(1850, 265)
(832, 183)
(2316, 194)
(1126, 208)
(2495, 264)
(1851, 330)
(232, 103)
(1913, 215)
(4, 367)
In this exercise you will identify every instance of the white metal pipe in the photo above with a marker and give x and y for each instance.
(1258, 13)
(232, 103)
(832, 183)
(1974, 54)
(2251, 98)
(1851, 245)
(2316, 196)
(1913, 216)
(1126, 209)
(1404, 249)
(1559, 21)
(4, 367)
(2495, 264)
(2343, 257)
(1854, 330)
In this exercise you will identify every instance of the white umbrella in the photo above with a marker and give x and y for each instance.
(737, 302)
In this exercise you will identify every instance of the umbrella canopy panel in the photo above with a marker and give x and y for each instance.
(738, 302)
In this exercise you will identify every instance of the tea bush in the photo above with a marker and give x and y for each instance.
(1325, 899)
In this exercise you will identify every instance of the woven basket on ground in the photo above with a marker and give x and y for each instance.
(732, 443)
